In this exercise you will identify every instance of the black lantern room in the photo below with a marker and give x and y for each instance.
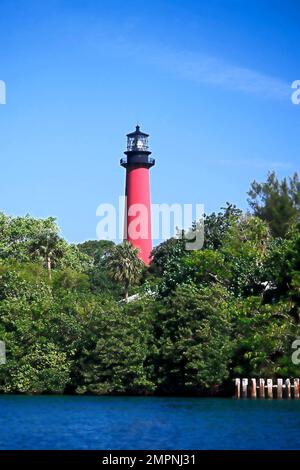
(137, 152)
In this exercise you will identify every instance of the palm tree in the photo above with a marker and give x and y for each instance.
(124, 266)
(46, 245)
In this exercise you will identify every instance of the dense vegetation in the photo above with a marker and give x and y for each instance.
(198, 319)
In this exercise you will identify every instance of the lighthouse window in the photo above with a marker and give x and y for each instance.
(140, 143)
(137, 142)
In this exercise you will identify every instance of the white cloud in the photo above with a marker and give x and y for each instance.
(219, 73)
(194, 66)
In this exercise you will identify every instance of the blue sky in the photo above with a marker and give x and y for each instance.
(209, 80)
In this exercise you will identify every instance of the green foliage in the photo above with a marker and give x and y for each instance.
(238, 263)
(168, 265)
(264, 335)
(99, 279)
(27, 239)
(207, 267)
(193, 329)
(124, 266)
(96, 249)
(17, 233)
(115, 350)
(216, 226)
(41, 370)
(199, 318)
(244, 249)
(276, 202)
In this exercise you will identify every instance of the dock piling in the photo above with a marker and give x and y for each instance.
(244, 388)
(253, 388)
(296, 389)
(279, 388)
(237, 388)
(261, 388)
(267, 388)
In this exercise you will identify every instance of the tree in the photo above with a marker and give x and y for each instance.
(193, 329)
(245, 248)
(36, 360)
(168, 266)
(27, 239)
(100, 281)
(208, 267)
(174, 265)
(263, 336)
(231, 308)
(39, 370)
(46, 245)
(282, 268)
(124, 266)
(96, 249)
(217, 225)
(17, 233)
(276, 202)
(168, 252)
(115, 351)
(238, 262)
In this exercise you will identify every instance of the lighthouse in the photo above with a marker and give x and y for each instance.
(137, 229)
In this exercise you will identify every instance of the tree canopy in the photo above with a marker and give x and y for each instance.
(198, 319)
(276, 202)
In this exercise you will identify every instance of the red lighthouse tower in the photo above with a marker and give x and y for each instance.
(137, 192)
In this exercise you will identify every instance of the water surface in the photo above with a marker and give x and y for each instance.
(65, 422)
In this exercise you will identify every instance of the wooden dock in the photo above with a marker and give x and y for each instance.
(261, 388)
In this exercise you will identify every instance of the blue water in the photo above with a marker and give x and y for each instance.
(50, 422)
